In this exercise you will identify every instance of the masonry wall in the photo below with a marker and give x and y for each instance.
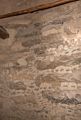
(40, 65)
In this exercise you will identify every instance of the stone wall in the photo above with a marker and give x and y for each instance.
(40, 65)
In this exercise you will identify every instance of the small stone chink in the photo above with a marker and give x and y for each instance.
(3, 33)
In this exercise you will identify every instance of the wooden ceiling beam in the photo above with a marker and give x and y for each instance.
(37, 8)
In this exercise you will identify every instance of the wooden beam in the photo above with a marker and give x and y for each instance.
(37, 8)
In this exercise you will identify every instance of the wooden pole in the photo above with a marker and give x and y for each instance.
(37, 8)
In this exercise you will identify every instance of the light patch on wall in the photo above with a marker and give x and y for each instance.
(49, 32)
(22, 62)
(20, 22)
(70, 86)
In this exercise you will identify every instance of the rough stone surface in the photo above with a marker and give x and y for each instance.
(40, 65)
